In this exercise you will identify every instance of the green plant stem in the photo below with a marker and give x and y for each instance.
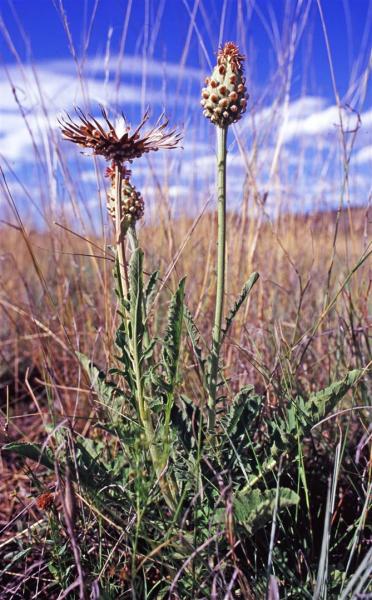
(120, 237)
(221, 260)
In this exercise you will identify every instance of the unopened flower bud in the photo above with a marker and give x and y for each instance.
(132, 204)
(226, 88)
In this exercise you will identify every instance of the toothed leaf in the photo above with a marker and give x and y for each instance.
(239, 301)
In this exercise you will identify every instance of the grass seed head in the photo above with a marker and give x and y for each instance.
(225, 88)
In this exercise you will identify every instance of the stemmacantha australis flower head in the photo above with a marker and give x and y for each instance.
(117, 143)
(224, 99)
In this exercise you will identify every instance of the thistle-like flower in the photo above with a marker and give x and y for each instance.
(132, 204)
(224, 99)
(116, 143)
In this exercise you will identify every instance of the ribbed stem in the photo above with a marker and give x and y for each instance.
(221, 259)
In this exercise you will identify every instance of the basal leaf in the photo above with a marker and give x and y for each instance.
(243, 411)
(299, 416)
(254, 509)
(35, 452)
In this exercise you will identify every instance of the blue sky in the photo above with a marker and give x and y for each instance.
(169, 45)
(348, 24)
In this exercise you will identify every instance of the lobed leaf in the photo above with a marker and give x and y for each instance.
(172, 338)
(104, 389)
(255, 508)
(239, 301)
(136, 297)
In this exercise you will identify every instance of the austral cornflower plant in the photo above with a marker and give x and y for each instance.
(125, 205)
(224, 100)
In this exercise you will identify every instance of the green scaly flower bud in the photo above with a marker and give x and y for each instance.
(132, 207)
(224, 99)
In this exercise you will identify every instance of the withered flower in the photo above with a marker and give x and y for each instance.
(116, 143)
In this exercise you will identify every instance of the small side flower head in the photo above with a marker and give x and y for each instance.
(224, 99)
(116, 143)
(132, 204)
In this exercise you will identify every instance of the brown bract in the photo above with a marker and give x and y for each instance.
(115, 146)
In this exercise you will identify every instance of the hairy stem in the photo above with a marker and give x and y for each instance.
(221, 259)
(120, 237)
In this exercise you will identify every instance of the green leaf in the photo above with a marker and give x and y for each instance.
(122, 342)
(136, 297)
(14, 558)
(297, 419)
(321, 403)
(35, 452)
(92, 472)
(239, 301)
(255, 508)
(194, 336)
(104, 389)
(148, 351)
(150, 290)
(287, 428)
(172, 338)
(243, 411)
(186, 419)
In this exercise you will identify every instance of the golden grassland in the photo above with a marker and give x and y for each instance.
(301, 328)
(56, 294)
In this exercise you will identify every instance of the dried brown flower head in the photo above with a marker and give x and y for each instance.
(224, 99)
(116, 143)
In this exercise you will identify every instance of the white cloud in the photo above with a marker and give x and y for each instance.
(308, 167)
(46, 90)
(363, 156)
